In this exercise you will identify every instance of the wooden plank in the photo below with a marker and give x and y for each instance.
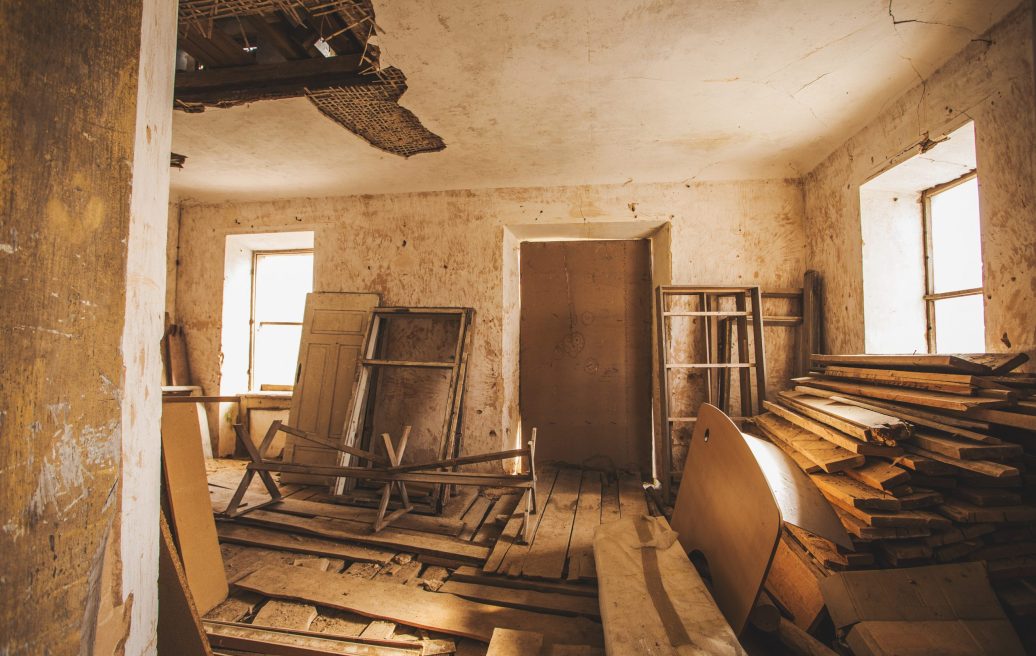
(473, 517)
(980, 364)
(915, 397)
(652, 600)
(506, 642)
(824, 454)
(467, 574)
(256, 536)
(186, 487)
(967, 513)
(855, 493)
(952, 425)
(631, 495)
(963, 450)
(229, 86)
(588, 518)
(860, 423)
(411, 541)
(333, 329)
(866, 532)
(508, 537)
(804, 463)
(517, 550)
(1005, 417)
(829, 434)
(179, 624)
(609, 498)
(950, 383)
(922, 465)
(984, 467)
(547, 602)
(425, 610)
(413, 522)
(280, 614)
(896, 519)
(246, 638)
(879, 475)
(794, 582)
(491, 528)
(546, 558)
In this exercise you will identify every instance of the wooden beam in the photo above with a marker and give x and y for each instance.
(226, 87)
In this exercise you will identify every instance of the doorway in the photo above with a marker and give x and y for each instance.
(585, 350)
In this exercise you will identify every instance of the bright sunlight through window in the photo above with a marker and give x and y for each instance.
(280, 282)
(956, 322)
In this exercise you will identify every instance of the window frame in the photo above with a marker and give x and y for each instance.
(252, 325)
(931, 296)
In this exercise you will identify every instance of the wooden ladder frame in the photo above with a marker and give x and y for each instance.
(717, 348)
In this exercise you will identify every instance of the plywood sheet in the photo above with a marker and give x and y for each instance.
(183, 468)
(333, 330)
(725, 510)
(585, 360)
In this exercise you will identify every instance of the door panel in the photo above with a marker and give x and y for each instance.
(585, 360)
(333, 330)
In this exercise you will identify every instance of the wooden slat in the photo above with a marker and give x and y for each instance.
(473, 517)
(880, 475)
(547, 602)
(984, 467)
(981, 364)
(829, 434)
(546, 558)
(588, 518)
(824, 454)
(410, 541)
(632, 501)
(280, 642)
(468, 574)
(652, 599)
(865, 425)
(255, 536)
(425, 610)
(854, 493)
(897, 519)
(609, 499)
(516, 551)
(950, 383)
(506, 642)
(915, 397)
(965, 450)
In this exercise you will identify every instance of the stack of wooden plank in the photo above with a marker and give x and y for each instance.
(924, 457)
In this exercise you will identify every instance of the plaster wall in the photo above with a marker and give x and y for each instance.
(991, 82)
(451, 248)
(84, 165)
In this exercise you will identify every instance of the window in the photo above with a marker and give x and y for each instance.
(280, 282)
(953, 267)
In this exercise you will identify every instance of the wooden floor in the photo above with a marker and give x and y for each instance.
(472, 551)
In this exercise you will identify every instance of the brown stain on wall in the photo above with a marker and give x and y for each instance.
(66, 142)
(723, 233)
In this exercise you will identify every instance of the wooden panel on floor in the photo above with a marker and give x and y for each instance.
(588, 518)
(632, 501)
(179, 625)
(413, 542)
(473, 517)
(432, 611)
(469, 574)
(491, 528)
(506, 642)
(263, 537)
(186, 487)
(258, 640)
(652, 599)
(609, 498)
(281, 614)
(546, 558)
(547, 602)
(515, 551)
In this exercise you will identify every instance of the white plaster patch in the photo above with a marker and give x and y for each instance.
(7, 248)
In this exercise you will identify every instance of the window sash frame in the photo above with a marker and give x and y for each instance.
(253, 326)
(930, 296)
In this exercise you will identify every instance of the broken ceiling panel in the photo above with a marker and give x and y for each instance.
(372, 111)
(249, 50)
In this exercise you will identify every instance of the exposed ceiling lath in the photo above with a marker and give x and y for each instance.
(372, 112)
(197, 11)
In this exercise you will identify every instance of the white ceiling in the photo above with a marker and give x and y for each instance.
(561, 92)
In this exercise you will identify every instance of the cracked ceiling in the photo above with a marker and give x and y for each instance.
(561, 92)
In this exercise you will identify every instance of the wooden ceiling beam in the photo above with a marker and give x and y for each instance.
(225, 87)
(216, 49)
(273, 35)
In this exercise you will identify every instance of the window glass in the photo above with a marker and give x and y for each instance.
(956, 251)
(960, 325)
(281, 283)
